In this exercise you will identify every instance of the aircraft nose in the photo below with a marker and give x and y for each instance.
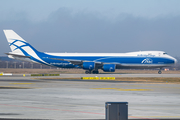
(175, 61)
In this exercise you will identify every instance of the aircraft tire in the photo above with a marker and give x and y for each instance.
(87, 72)
(95, 72)
(159, 72)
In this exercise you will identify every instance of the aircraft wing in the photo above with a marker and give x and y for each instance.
(76, 62)
(80, 62)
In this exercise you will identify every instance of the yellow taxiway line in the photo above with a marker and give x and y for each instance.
(121, 89)
(21, 83)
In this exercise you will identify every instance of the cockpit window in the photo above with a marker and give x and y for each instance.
(164, 53)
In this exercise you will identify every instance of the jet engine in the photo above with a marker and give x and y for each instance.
(109, 67)
(88, 65)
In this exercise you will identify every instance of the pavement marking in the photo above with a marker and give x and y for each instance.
(161, 116)
(155, 117)
(14, 87)
(84, 112)
(141, 117)
(98, 78)
(121, 89)
(22, 83)
(52, 109)
(150, 86)
(137, 117)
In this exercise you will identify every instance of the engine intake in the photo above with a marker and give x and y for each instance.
(109, 67)
(88, 65)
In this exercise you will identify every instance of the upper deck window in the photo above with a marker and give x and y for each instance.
(164, 53)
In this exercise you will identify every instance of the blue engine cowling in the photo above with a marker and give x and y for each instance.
(88, 65)
(109, 67)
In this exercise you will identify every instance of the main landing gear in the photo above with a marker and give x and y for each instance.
(92, 72)
(88, 72)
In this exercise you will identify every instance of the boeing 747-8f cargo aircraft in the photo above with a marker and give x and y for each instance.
(90, 62)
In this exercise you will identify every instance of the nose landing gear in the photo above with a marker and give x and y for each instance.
(159, 72)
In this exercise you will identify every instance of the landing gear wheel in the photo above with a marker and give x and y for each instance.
(95, 72)
(159, 72)
(88, 72)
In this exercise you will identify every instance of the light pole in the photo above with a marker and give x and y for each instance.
(1, 62)
(14, 64)
(23, 64)
(40, 66)
(31, 65)
(7, 64)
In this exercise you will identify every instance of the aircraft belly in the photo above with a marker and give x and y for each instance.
(141, 66)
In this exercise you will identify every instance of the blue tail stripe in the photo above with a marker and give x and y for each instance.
(24, 52)
(13, 42)
(26, 44)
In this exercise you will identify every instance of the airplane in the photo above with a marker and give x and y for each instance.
(91, 62)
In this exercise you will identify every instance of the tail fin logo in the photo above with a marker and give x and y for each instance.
(20, 46)
(17, 46)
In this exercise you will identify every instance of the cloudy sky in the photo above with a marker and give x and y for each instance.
(113, 26)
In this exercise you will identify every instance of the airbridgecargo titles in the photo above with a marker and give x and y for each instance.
(91, 62)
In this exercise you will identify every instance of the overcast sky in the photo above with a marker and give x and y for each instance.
(113, 26)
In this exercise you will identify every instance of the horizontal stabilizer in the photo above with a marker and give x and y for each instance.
(16, 55)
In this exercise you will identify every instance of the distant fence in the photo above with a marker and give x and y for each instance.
(23, 65)
(27, 65)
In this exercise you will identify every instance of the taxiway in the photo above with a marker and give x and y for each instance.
(28, 98)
